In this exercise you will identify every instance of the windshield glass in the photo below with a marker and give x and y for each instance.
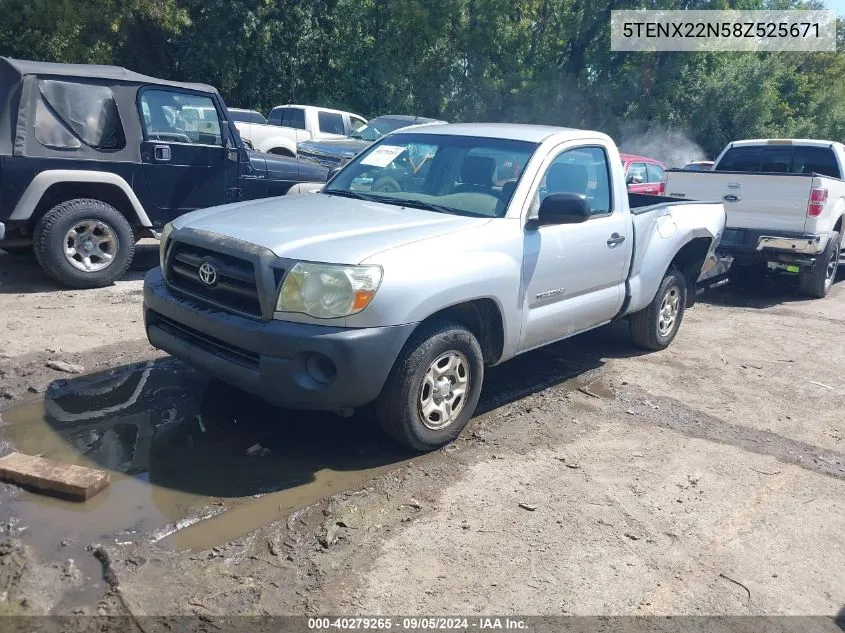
(377, 128)
(464, 175)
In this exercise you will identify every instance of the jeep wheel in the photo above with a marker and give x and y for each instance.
(84, 243)
(818, 280)
(655, 326)
(433, 389)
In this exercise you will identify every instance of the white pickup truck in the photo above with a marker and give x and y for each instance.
(785, 201)
(289, 125)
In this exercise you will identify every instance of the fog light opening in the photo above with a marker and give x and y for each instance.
(321, 369)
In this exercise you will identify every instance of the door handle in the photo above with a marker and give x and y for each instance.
(615, 239)
(161, 153)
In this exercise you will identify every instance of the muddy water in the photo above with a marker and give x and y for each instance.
(193, 463)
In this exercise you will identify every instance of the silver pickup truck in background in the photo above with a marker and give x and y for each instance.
(490, 240)
(785, 201)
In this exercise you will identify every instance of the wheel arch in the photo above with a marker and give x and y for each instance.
(50, 188)
(481, 316)
(690, 260)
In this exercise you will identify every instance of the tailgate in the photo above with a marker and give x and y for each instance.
(766, 202)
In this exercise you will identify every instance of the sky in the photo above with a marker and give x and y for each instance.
(836, 5)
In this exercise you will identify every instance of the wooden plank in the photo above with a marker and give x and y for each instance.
(67, 481)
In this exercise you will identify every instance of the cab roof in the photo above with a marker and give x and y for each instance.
(93, 71)
(510, 131)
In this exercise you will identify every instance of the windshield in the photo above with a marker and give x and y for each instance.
(464, 175)
(377, 128)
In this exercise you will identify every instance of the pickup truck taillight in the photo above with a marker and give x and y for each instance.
(818, 198)
(661, 188)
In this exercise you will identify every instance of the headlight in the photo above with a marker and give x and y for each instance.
(328, 291)
(162, 245)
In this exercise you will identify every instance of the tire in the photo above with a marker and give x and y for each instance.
(399, 407)
(747, 276)
(647, 325)
(818, 280)
(99, 220)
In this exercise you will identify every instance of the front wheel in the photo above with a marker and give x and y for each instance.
(433, 389)
(84, 243)
(655, 326)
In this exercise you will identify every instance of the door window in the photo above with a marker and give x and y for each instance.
(655, 173)
(177, 117)
(637, 174)
(293, 117)
(330, 123)
(583, 170)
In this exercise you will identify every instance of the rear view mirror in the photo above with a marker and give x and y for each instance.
(563, 208)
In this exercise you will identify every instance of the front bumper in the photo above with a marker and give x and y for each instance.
(295, 365)
(751, 244)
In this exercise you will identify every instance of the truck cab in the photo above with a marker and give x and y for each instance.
(94, 158)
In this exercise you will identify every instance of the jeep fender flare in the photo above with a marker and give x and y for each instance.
(30, 199)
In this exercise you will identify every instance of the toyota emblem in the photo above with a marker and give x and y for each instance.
(208, 274)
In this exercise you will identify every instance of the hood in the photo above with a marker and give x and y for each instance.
(324, 228)
(341, 147)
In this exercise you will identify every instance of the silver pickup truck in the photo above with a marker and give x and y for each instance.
(436, 252)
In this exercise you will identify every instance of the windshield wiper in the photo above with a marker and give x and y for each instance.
(428, 206)
(343, 193)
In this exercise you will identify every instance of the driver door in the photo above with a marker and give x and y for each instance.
(183, 154)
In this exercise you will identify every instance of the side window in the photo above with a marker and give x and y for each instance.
(69, 114)
(177, 117)
(636, 174)
(655, 173)
(356, 124)
(330, 123)
(583, 170)
(276, 116)
(294, 117)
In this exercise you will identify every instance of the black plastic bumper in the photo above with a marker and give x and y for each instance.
(295, 365)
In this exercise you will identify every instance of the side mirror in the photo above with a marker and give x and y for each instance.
(635, 179)
(333, 172)
(563, 208)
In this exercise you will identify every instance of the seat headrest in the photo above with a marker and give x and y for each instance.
(478, 170)
(567, 178)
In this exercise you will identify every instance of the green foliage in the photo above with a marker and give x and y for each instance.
(541, 61)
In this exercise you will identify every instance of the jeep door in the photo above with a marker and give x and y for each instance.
(183, 151)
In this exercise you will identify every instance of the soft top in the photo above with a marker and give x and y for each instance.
(94, 71)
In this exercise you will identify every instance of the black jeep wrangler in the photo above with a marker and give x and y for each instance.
(94, 158)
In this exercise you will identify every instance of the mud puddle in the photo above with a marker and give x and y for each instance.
(193, 463)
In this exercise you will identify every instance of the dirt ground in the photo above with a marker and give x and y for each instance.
(708, 479)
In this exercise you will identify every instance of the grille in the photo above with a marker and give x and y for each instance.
(234, 288)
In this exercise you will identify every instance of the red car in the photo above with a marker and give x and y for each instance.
(643, 175)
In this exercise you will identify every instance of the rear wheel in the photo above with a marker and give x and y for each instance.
(84, 243)
(818, 280)
(433, 388)
(655, 326)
